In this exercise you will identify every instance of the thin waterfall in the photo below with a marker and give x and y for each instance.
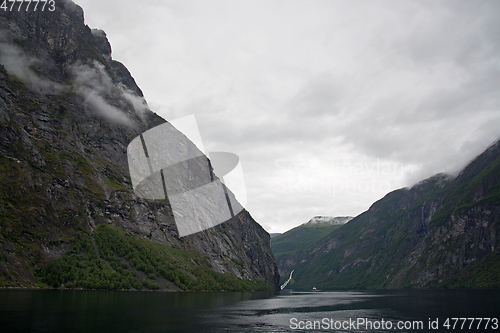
(284, 284)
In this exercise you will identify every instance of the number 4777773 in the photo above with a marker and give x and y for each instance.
(27, 5)
(470, 323)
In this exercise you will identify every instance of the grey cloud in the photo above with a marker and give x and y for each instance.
(91, 82)
(428, 124)
(19, 64)
(95, 84)
(106, 110)
(94, 78)
(139, 103)
(412, 82)
(460, 31)
(284, 129)
(321, 95)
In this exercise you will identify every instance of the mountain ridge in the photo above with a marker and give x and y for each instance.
(67, 114)
(429, 235)
(288, 246)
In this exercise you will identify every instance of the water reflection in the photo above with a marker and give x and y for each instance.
(108, 311)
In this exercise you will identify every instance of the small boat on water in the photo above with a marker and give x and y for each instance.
(314, 289)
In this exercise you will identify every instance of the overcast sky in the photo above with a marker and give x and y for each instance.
(329, 104)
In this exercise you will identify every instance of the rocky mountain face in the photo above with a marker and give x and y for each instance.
(442, 232)
(67, 113)
(288, 247)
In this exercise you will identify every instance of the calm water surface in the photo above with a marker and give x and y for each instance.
(108, 311)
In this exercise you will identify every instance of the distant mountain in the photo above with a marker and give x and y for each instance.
(69, 215)
(442, 232)
(275, 234)
(328, 220)
(288, 246)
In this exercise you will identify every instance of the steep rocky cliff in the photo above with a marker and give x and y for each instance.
(67, 113)
(442, 232)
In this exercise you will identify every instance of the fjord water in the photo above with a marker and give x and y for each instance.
(111, 311)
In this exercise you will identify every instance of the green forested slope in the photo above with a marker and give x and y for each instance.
(289, 245)
(442, 232)
(299, 238)
(113, 259)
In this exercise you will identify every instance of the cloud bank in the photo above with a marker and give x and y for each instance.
(302, 90)
(92, 82)
(95, 85)
(19, 64)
